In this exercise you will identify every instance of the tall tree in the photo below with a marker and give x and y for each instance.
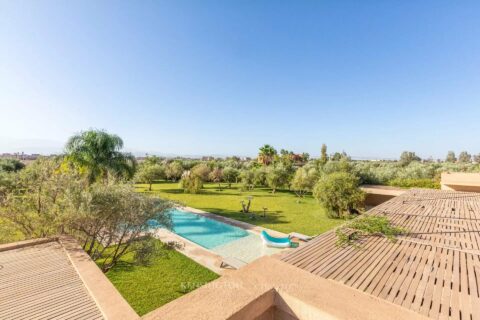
(277, 177)
(230, 175)
(339, 193)
(11, 165)
(148, 173)
(304, 180)
(99, 154)
(117, 217)
(476, 158)
(323, 154)
(174, 170)
(266, 154)
(451, 157)
(464, 157)
(407, 157)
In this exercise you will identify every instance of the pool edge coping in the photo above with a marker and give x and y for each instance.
(199, 253)
(236, 223)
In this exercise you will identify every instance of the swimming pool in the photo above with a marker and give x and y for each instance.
(204, 231)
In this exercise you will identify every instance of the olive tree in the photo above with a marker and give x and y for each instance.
(407, 157)
(451, 157)
(202, 171)
(11, 165)
(174, 170)
(36, 198)
(260, 177)
(230, 175)
(339, 193)
(247, 177)
(464, 157)
(110, 219)
(304, 180)
(277, 177)
(216, 175)
(149, 173)
(191, 183)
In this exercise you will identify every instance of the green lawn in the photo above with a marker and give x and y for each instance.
(286, 212)
(169, 276)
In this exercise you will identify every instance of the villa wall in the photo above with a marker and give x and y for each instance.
(376, 195)
(272, 289)
(461, 181)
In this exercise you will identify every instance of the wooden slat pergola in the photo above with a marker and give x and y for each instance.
(433, 270)
(40, 282)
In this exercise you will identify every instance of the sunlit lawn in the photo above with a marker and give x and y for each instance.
(285, 211)
(169, 276)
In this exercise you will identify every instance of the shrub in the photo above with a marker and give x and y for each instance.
(174, 170)
(191, 183)
(304, 180)
(248, 179)
(230, 175)
(277, 177)
(260, 177)
(11, 165)
(415, 183)
(339, 193)
(145, 250)
(201, 170)
(148, 173)
(216, 175)
(367, 225)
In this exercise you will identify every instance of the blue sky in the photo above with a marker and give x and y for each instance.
(372, 78)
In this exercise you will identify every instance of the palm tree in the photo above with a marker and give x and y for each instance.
(266, 154)
(98, 153)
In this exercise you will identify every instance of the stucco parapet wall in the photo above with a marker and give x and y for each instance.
(383, 190)
(25, 243)
(112, 305)
(461, 179)
(249, 290)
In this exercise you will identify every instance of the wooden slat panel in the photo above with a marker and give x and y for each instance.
(39, 282)
(433, 270)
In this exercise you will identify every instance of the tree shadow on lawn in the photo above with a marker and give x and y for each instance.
(123, 266)
(213, 193)
(272, 217)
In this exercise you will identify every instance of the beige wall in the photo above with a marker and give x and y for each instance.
(461, 181)
(376, 195)
(373, 199)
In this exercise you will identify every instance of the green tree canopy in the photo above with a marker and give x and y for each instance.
(451, 157)
(464, 157)
(304, 180)
(407, 157)
(11, 165)
(339, 193)
(174, 170)
(191, 183)
(230, 175)
(323, 154)
(266, 154)
(202, 170)
(277, 177)
(99, 154)
(148, 172)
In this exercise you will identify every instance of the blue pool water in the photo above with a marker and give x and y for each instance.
(203, 231)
